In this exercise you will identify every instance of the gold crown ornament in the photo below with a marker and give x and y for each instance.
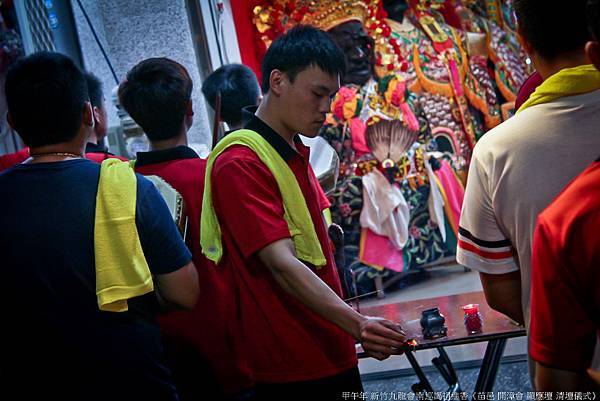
(327, 14)
(273, 18)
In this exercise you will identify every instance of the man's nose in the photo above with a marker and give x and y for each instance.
(357, 53)
(325, 105)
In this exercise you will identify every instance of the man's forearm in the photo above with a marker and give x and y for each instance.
(379, 337)
(301, 283)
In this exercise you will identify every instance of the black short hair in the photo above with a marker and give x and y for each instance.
(552, 27)
(593, 13)
(94, 89)
(238, 87)
(301, 47)
(46, 93)
(156, 93)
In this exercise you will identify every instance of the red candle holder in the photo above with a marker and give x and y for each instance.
(473, 319)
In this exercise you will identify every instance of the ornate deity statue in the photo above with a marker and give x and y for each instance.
(397, 212)
(495, 21)
(455, 90)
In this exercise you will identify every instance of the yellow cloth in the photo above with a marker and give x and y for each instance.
(327, 216)
(296, 214)
(566, 82)
(121, 268)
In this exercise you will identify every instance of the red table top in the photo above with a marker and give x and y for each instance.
(408, 315)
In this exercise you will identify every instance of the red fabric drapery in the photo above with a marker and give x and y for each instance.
(242, 18)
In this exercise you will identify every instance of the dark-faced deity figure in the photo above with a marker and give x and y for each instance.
(359, 50)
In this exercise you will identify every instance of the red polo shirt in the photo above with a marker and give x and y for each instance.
(206, 328)
(565, 276)
(99, 153)
(285, 341)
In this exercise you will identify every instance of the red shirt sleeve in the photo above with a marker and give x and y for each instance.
(247, 200)
(562, 335)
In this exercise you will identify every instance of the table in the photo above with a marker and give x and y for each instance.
(497, 328)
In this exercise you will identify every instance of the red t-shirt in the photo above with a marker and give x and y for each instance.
(206, 327)
(285, 341)
(94, 153)
(565, 287)
(9, 160)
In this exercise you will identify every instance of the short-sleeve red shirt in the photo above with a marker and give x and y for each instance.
(206, 328)
(565, 295)
(285, 341)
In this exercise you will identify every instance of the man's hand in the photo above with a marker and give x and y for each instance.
(381, 338)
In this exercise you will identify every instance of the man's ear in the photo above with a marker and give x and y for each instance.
(96, 114)
(189, 109)
(592, 51)
(277, 82)
(88, 115)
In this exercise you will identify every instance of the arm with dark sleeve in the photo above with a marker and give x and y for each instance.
(169, 260)
(256, 221)
(562, 335)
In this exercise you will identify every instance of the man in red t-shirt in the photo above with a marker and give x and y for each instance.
(565, 295)
(199, 344)
(299, 334)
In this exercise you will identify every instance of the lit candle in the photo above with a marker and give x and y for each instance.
(471, 309)
(473, 320)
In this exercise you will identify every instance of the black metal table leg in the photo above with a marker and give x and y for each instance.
(489, 365)
(423, 384)
(446, 369)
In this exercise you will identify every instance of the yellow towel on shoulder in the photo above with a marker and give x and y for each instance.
(121, 268)
(296, 214)
(566, 82)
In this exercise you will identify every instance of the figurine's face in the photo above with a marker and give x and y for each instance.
(359, 50)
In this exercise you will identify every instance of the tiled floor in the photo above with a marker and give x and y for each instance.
(434, 283)
(512, 377)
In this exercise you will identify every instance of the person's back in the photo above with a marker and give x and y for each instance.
(60, 340)
(55, 331)
(520, 166)
(534, 154)
(195, 340)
